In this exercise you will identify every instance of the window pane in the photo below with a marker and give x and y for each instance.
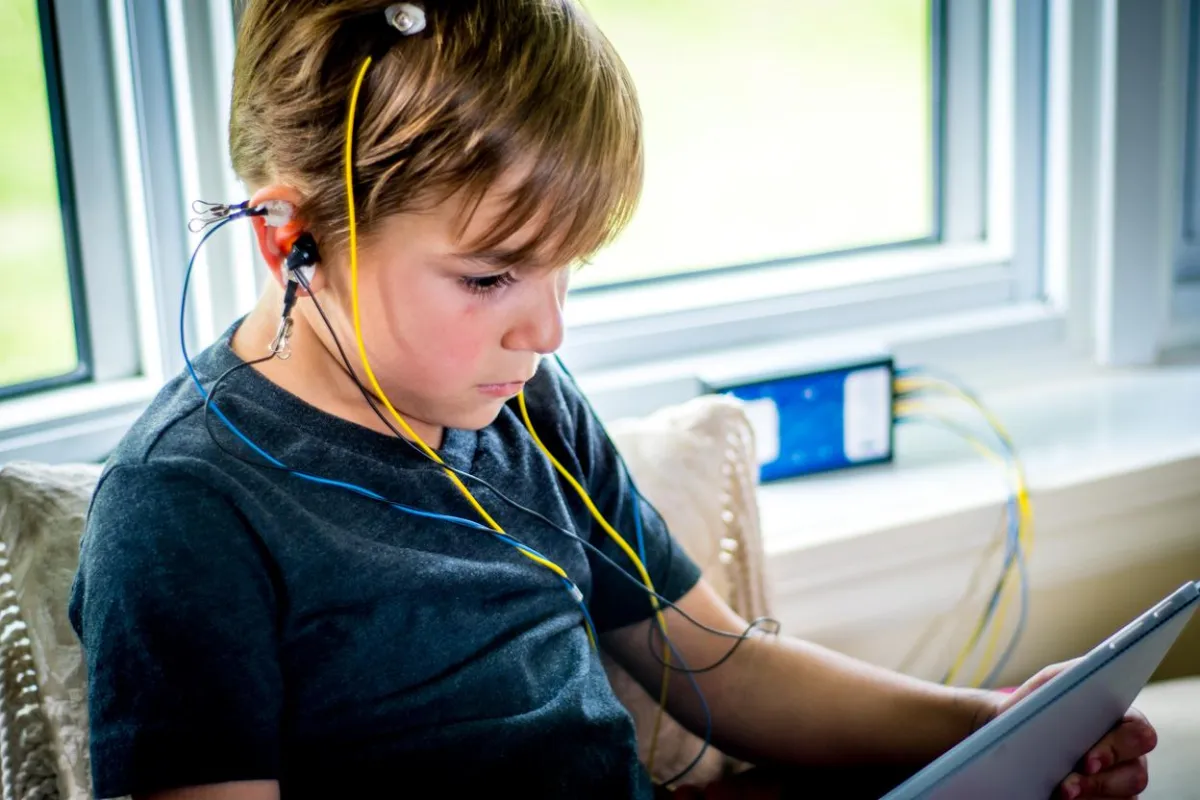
(37, 330)
(1188, 262)
(774, 129)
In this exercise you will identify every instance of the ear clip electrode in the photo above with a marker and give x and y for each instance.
(301, 261)
(300, 266)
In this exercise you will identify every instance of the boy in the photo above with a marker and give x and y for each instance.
(252, 633)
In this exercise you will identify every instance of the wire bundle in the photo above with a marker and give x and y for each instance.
(375, 397)
(922, 396)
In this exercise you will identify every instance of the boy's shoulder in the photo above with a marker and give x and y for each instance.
(173, 435)
(172, 424)
(172, 413)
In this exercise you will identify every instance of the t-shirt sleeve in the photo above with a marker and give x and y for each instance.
(617, 601)
(176, 610)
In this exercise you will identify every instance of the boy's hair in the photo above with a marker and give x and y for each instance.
(529, 89)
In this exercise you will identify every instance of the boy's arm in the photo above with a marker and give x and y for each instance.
(781, 700)
(243, 790)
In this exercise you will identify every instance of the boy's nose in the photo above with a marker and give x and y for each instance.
(540, 329)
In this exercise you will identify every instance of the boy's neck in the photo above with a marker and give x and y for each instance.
(312, 372)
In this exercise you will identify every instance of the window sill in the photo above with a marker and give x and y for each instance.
(871, 268)
(1026, 342)
(82, 423)
(668, 319)
(1113, 463)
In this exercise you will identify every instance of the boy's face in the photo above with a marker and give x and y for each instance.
(451, 334)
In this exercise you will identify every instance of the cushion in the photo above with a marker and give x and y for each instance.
(42, 509)
(696, 464)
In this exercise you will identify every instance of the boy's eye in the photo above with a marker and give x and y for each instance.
(488, 283)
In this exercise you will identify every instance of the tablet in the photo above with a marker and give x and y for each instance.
(1027, 751)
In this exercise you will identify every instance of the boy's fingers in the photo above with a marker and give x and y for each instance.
(1132, 738)
(1125, 780)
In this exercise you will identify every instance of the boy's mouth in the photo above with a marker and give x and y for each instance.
(502, 389)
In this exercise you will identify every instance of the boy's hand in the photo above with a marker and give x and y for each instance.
(1115, 767)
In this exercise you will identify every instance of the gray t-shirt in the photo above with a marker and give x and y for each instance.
(241, 623)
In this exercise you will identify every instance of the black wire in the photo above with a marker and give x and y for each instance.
(707, 743)
(371, 401)
(372, 404)
(209, 403)
(212, 393)
(760, 622)
(641, 498)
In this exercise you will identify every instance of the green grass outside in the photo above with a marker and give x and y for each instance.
(37, 333)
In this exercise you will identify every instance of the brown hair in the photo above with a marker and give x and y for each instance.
(490, 88)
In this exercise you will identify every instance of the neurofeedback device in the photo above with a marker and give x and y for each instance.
(825, 415)
(299, 267)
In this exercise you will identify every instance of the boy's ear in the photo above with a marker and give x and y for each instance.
(278, 231)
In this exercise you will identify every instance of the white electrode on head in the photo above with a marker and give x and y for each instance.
(408, 18)
(279, 212)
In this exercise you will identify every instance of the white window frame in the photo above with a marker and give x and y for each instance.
(1074, 276)
(987, 255)
(121, 134)
(1111, 126)
(1185, 301)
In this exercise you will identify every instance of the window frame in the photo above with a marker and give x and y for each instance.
(66, 187)
(1036, 294)
(1187, 266)
(123, 162)
(1185, 293)
(988, 255)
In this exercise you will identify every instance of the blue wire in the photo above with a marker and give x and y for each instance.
(260, 451)
(637, 517)
(1013, 551)
(572, 589)
(587, 615)
(990, 680)
(350, 487)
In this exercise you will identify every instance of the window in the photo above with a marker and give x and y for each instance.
(920, 172)
(40, 341)
(775, 130)
(93, 221)
(1188, 260)
(1186, 295)
(814, 167)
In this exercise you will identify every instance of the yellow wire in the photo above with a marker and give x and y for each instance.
(1024, 519)
(1013, 570)
(908, 383)
(370, 373)
(616, 537)
(1025, 516)
(362, 349)
(934, 627)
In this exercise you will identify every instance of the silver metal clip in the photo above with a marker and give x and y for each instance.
(209, 213)
(279, 345)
